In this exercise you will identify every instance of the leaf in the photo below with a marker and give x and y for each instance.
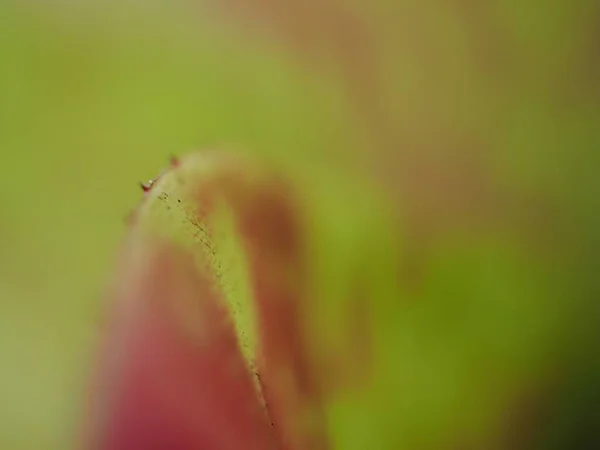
(183, 367)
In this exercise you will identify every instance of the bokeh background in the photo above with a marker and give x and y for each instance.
(96, 96)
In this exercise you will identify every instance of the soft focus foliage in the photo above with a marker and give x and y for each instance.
(447, 151)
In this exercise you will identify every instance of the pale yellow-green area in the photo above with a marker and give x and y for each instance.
(171, 213)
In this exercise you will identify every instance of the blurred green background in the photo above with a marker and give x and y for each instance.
(95, 97)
